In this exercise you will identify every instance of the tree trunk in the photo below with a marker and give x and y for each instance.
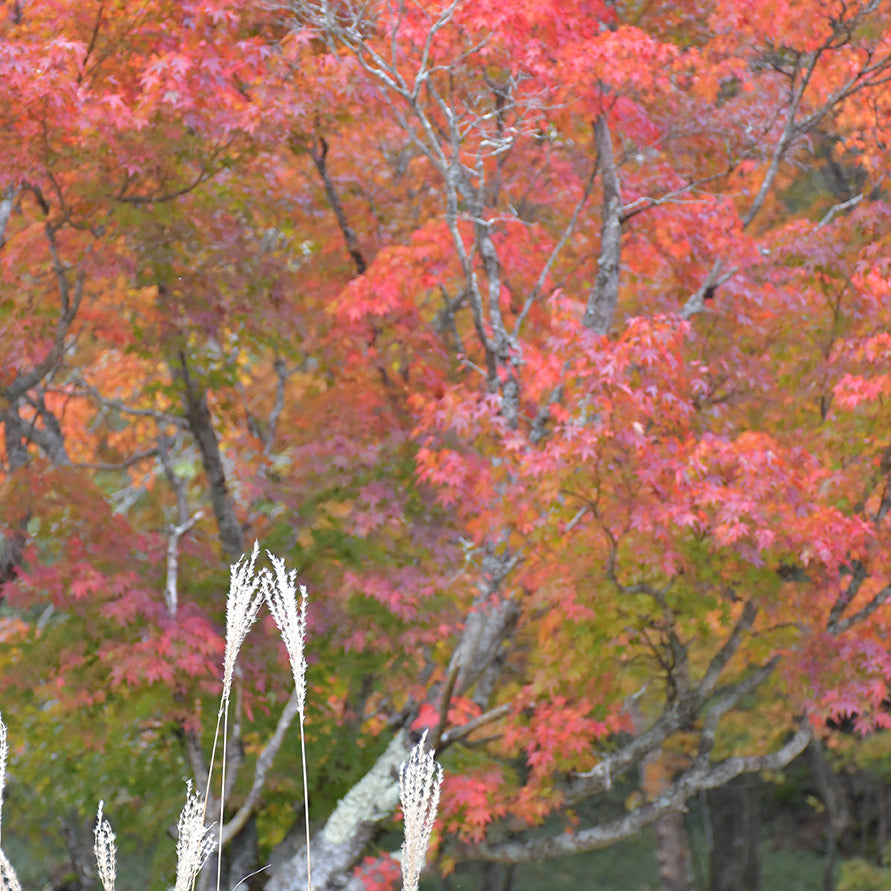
(833, 796)
(243, 858)
(735, 817)
(603, 297)
(672, 845)
(201, 426)
(673, 854)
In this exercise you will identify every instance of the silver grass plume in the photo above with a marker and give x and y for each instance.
(420, 780)
(105, 850)
(9, 881)
(242, 605)
(195, 842)
(280, 591)
(4, 755)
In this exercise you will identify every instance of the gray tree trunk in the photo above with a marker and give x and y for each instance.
(735, 817)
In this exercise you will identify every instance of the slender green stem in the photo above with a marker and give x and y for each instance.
(222, 794)
(224, 706)
(305, 804)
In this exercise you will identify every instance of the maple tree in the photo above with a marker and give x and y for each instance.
(548, 338)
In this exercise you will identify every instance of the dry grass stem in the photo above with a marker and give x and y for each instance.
(105, 851)
(420, 780)
(195, 842)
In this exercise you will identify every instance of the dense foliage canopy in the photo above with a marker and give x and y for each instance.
(549, 338)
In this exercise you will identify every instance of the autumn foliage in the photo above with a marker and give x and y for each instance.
(548, 339)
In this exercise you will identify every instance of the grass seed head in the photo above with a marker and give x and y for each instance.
(105, 851)
(9, 881)
(420, 780)
(242, 606)
(4, 754)
(195, 842)
(280, 590)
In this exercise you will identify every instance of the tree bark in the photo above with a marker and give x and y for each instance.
(672, 846)
(604, 296)
(833, 796)
(735, 816)
(673, 853)
(201, 426)
(243, 858)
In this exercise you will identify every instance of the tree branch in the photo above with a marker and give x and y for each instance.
(201, 426)
(320, 159)
(604, 296)
(70, 300)
(842, 625)
(701, 777)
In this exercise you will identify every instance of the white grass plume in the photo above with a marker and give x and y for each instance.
(420, 780)
(280, 591)
(194, 843)
(4, 754)
(9, 881)
(105, 850)
(242, 605)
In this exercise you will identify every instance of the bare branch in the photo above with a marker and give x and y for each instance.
(201, 426)
(645, 202)
(729, 649)
(174, 534)
(702, 777)
(70, 300)
(729, 701)
(281, 373)
(135, 458)
(445, 700)
(838, 208)
(785, 140)
(539, 425)
(319, 155)
(858, 577)
(205, 174)
(80, 387)
(558, 247)
(843, 625)
(696, 302)
(454, 734)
